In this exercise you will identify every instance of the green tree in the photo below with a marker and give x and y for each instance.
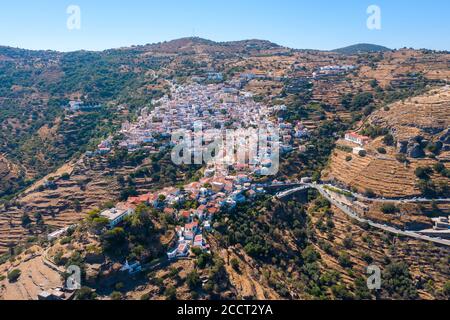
(115, 295)
(14, 275)
(397, 281)
(193, 280)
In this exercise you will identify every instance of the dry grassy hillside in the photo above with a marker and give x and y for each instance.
(425, 117)
(91, 184)
(426, 262)
(382, 174)
(400, 65)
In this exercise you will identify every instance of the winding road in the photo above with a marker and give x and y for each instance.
(348, 211)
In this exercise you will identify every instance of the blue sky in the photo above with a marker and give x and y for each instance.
(316, 24)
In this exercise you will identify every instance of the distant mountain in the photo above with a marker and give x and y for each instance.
(361, 47)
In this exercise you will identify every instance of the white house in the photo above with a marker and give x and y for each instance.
(357, 138)
(118, 214)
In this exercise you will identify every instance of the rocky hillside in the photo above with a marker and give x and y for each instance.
(417, 122)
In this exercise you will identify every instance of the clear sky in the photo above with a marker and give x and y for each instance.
(312, 24)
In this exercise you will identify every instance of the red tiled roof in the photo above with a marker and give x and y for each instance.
(134, 200)
(212, 210)
(185, 213)
(191, 226)
(356, 135)
(125, 206)
(169, 210)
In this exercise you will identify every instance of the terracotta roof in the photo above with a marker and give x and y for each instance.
(356, 135)
(212, 210)
(191, 226)
(125, 206)
(185, 213)
(169, 210)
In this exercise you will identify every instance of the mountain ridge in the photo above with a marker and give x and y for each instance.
(186, 41)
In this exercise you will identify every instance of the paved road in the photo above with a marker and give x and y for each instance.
(284, 194)
(360, 196)
(348, 211)
(388, 200)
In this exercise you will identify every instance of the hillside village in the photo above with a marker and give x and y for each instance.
(226, 182)
(357, 106)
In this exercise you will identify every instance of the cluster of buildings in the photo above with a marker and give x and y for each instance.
(333, 70)
(218, 108)
(103, 148)
(206, 198)
(81, 106)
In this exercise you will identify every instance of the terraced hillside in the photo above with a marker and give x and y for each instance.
(348, 248)
(35, 276)
(402, 67)
(91, 183)
(415, 124)
(382, 174)
(427, 116)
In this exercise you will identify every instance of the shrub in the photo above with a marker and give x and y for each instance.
(369, 193)
(367, 257)
(65, 176)
(193, 280)
(423, 172)
(348, 242)
(398, 283)
(446, 289)
(85, 293)
(341, 292)
(388, 140)
(439, 167)
(344, 260)
(389, 208)
(401, 157)
(348, 158)
(26, 220)
(381, 150)
(116, 295)
(65, 240)
(119, 286)
(14, 275)
(171, 293)
(362, 153)
(145, 296)
(235, 264)
(310, 255)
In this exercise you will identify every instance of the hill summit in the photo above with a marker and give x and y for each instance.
(362, 47)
